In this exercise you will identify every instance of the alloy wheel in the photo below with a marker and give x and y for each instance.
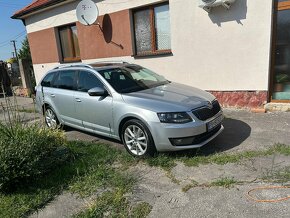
(50, 118)
(136, 140)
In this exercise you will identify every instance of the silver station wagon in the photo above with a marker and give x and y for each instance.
(130, 103)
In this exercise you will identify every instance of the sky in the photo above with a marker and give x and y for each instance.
(10, 29)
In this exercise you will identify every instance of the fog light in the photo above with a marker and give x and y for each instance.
(182, 141)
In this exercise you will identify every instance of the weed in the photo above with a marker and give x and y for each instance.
(26, 110)
(224, 182)
(189, 186)
(109, 204)
(114, 204)
(141, 210)
(27, 152)
(172, 177)
(281, 149)
(278, 176)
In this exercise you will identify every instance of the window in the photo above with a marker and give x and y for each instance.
(47, 80)
(65, 80)
(69, 43)
(87, 81)
(132, 78)
(152, 30)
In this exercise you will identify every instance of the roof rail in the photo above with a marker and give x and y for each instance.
(73, 65)
(111, 62)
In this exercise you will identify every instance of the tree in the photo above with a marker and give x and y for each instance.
(24, 52)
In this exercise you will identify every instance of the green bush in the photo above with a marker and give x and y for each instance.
(27, 152)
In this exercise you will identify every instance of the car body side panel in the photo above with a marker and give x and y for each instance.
(95, 112)
(63, 101)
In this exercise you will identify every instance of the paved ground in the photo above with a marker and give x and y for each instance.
(243, 131)
(19, 106)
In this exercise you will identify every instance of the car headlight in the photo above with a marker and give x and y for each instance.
(174, 117)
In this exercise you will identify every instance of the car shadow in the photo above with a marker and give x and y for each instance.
(92, 137)
(234, 134)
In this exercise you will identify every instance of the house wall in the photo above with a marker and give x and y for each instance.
(220, 51)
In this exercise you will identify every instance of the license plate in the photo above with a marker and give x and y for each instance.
(214, 123)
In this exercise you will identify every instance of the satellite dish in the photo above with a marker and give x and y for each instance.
(87, 12)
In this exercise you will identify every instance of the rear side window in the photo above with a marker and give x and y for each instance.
(87, 81)
(47, 80)
(65, 80)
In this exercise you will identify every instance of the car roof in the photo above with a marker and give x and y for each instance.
(96, 65)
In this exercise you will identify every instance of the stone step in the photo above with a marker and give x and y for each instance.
(283, 107)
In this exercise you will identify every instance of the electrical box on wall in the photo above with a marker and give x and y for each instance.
(207, 5)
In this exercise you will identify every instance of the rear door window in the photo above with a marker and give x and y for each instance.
(87, 81)
(66, 79)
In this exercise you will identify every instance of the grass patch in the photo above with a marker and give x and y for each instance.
(27, 110)
(164, 161)
(89, 169)
(141, 210)
(280, 149)
(220, 158)
(224, 182)
(196, 158)
(114, 204)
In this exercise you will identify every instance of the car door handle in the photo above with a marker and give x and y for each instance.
(78, 100)
(52, 95)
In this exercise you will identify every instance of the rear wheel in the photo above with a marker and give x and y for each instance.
(50, 117)
(137, 139)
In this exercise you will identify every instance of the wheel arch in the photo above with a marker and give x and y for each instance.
(46, 104)
(131, 117)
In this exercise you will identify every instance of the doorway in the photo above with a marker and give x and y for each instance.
(280, 91)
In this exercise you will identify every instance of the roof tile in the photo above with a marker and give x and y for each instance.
(34, 5)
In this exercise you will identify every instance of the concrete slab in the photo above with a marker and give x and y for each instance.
(245, 171)
(65, 205)
(218, 202)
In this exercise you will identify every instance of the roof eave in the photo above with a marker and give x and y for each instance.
(23, 15)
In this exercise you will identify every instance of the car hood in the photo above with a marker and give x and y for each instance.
(172, 97)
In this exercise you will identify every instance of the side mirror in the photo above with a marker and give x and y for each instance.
(98, 91)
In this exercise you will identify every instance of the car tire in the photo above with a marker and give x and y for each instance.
(50, 118)
(137, 139)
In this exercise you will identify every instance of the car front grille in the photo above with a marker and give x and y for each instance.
(205, 112)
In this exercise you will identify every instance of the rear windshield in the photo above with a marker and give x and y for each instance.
(132, 78)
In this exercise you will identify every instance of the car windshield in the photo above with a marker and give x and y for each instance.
(132, 78)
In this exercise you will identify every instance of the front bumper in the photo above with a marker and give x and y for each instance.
(165, 134)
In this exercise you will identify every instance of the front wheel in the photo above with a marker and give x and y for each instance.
(137, 139)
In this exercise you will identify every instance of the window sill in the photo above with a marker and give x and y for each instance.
(153, 54)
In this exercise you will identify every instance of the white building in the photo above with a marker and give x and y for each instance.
(242, 55)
